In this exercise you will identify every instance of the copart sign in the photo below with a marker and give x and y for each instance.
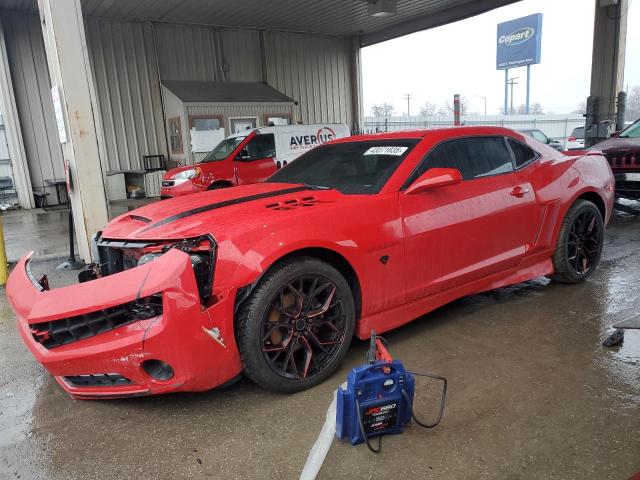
(519, 42)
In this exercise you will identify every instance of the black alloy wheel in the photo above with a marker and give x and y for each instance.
(295, 328)
(584, 242)
(304, 327)
(580, 243)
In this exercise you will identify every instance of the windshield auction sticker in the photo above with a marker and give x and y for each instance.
(396, 151)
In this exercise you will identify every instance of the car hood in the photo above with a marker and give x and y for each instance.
(615, 144)
(219, 212)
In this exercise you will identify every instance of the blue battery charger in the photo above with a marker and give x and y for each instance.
(373, 402)
(378, 398)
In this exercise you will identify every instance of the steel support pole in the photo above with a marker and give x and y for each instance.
(76, 107)
(506, 91)
(607, 64)
(528, 82)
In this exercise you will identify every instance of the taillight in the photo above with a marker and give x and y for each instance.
(572, 139)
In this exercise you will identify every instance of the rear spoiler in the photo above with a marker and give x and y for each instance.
(582, 153)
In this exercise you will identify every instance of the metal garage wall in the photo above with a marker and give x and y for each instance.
(187, 52)
(128, 58)
(315, 71)
(32, 89)
(126, 83)
(242, 58)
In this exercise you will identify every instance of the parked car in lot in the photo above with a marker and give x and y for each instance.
(248, 157)
(623, 153)
(576, 140)
(273, 279)
(541, 137)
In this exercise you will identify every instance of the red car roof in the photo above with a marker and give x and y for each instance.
(449, 131)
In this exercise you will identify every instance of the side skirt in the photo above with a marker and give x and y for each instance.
(534, 267)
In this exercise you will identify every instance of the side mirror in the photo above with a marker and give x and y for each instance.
(614, 135)
(435, 178)
(243, 155)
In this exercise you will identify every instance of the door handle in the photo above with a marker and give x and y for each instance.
(519, 191)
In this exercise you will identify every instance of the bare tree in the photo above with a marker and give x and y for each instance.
(581, 107)
(428, 109)
(385, 110)
(536, 109)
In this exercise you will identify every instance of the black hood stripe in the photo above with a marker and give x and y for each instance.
(226, 203)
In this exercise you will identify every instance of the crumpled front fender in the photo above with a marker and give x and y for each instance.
(37, 305)
(197, 342)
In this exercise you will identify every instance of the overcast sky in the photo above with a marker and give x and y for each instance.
(461, 58)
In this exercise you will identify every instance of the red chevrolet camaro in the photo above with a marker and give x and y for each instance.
(274, 279)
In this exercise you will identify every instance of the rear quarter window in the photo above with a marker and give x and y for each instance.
(522, 154)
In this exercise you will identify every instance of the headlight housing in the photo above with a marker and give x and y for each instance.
(188, 174)
(116, 256)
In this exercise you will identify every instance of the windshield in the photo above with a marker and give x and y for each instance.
(578, 132)
(223, 150)
(632, 131)
(351, 168)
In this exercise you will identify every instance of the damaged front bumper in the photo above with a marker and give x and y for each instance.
(106, 338)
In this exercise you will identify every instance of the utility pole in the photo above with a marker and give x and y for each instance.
(512, 82)
(408, 97)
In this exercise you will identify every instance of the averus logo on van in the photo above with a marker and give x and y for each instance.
(517, 37)
(324, 135)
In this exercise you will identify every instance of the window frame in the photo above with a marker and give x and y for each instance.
(218, 117)
(265, 117)
(246, 117)
(408, 182)
(178, 122)
(249, 160)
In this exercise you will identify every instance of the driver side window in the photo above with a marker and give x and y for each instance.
(474, 157)
(261, 146)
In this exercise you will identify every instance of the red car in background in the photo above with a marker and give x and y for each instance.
(247, 157)
(274, 279)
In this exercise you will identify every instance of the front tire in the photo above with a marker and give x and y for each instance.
(580, 242)
(296, 326)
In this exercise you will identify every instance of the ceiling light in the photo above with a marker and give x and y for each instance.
(381, 8)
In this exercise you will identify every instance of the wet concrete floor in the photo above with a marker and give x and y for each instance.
(532, 394)
(46, 232)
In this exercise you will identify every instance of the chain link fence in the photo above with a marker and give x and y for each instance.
(557, 127)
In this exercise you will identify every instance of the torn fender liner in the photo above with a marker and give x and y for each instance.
(226, 203)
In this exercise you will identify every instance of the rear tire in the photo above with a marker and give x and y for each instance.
(579, 246)
(296, 326)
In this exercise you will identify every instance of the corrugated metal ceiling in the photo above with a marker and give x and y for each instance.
(338, 17)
